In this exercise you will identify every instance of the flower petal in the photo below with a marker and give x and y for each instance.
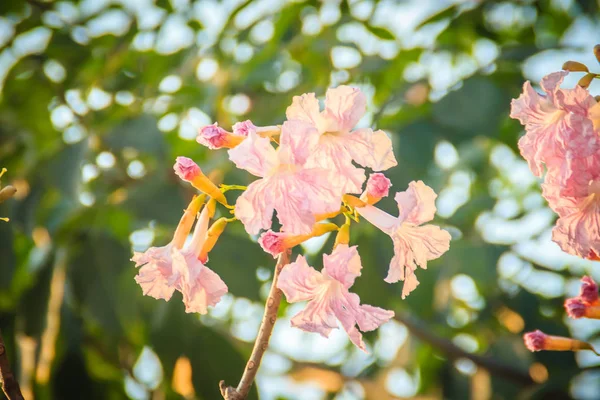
(343, 264)
(344, 107)
(414, 246)
(255, 155)
(417, 203)
(579, 232)
(298, 281)
(383, 152)
(255, 206)
(371, 318)
(297, 141)
(155, 275)
(200, 286)
(331, 154)
(305, 108)
(349, 312)
(346, 307)
(316, 317)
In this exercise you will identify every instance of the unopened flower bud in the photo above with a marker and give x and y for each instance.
(321, 217)
(343, 236)
(187, 220)
(186, 169)
(214, 137)
(378, 186)
(275, 243)
(243, 128)
(576, 308)
(597, 52)
(272, 242)
(588, 293)
(538, 340)
(213, 234)
(190, 172)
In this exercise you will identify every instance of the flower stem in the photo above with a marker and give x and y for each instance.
(262, 339)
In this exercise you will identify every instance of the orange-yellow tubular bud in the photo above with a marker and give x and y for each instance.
(321, 217)
(211, 207)
(597, 52)
(187, 220)
(538, 340)
(574, 66)
(190, 172)
(354, 201)
(216, 229)
(343, 236)
(203, 184)
(230, 141)
(318, 230)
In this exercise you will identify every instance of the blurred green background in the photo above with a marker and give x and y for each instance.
(98, 97)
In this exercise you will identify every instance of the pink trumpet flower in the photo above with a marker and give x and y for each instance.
(328, 295)
(414, 243)
(173, 267)
(339, 145)
(296, 192)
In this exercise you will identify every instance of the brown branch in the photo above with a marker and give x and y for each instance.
(262, 339)
(10, 386)
(452, 351)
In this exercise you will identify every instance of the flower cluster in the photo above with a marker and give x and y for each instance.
(586, 305)
(309, 170)
(563, 135)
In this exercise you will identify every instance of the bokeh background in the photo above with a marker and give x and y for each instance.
(98, 97)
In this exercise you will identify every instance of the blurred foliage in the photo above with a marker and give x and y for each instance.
(99, 97)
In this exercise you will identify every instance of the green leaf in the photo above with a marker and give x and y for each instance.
(381, 33)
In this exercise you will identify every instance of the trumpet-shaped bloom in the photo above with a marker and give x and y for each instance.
(557, 123)
(173, 267)
(338, 145)
(414, 243)
(328, 295)
(287, 186)
(156, 272)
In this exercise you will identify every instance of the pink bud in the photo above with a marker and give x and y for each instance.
(535, 341)
(243, 128)
(575, 308)
(272, 242)
(589, 290)
(378, 185)
(212, 136)
(186, 169)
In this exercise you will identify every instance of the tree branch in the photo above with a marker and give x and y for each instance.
(262, 339)
(452, 351)
(10, 386)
